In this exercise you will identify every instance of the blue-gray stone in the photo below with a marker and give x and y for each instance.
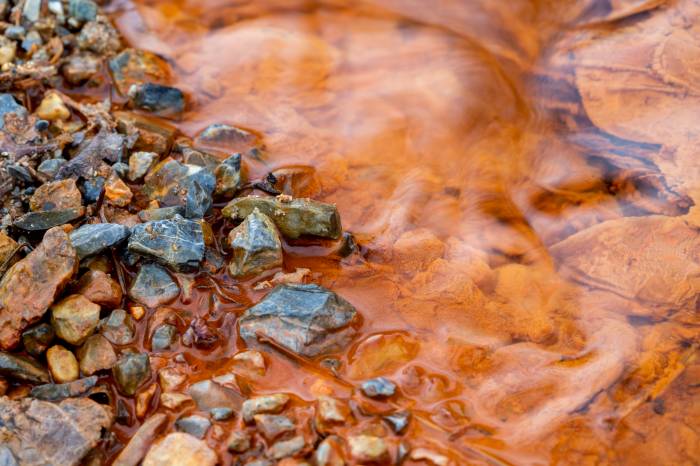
(398, 421)
(57, 392)
(31, 10)
(177, 243)
(172, 183)
(82, 10)
(164, 101)
(153, 286)
(50, 167)
(6, 457)
(20, 173)
(8, 105)
(92, 189)
(39, 221)
(308, 320)
(379, 387)
(31, 39)
(15, 32)
(121, 169)
(89, 240)
(221, 414)
(194, 425)
(131, 371)
(163, 337)
(255, 246)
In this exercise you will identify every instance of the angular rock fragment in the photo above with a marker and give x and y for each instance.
(153, 286)
(89, 240)
(255, 246)
(654, 259)
(30, 286)
(180, 449)
(286, 448)
(140, 163)
(308, 320)
(172, 183)
(293, 217)
(39, 221)
(99, 37)
(267, 404)
(100, 288)
(38, 432)
(58, 392)
(194, 425)
(96, 354)
(238, 441)
(131, 371)
(56, 195)
(152, 134)
(8, 252)
(330, 452)
(228, 176)
(37, 339)
(87, 163)
(226, 137)
(9, 106)
(75, 318)
(52, 108)
(164, 337)
(117, 192)
(250, 361)
(50, 167)
(176, 243)
(62, 364)
(398, 421)
(119, 327)
(164, 101)
(331, 411)
(82, 10)
(272, 426)
(135, 66)
(221, 414)
(175, 400)
(22, 368)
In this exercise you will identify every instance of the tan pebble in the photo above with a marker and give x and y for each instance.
(143, 400)
(62, 364)
(52, 108)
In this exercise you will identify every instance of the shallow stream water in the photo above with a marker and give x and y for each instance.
(521, 177)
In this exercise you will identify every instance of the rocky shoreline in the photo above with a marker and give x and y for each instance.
(107, 214)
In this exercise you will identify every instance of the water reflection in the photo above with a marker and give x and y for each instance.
(473, 147)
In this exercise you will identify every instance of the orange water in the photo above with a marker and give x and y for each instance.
(462, 141)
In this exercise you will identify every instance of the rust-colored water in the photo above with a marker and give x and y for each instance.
(463, 141)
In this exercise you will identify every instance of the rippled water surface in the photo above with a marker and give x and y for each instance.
(522, 179)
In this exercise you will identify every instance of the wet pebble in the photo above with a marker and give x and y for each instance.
(62, 364)
(8, 105)
(255, 246)
(227, 137)
(57, 392)
(330, 452)
(135, 66)
(100, 288)
(164, 337)
(208, 395)
(153, 286)
(117, 192)
(272, 426)
(177, 243)
(140, 163)
(429, 456)
(131, 371)
(194, 425)
(39, 221)
(368, 449)
(22, 368)
(379, 387)
(82, 10)
(75, 318)
(164, 101)
(267, 404)
(119, 327)
(221, 414)
(250, 361)
(50, 167)
(398, 421)
(92, 188)
(80, 67)
(89, 240)
(96, 354)
(173, 400)
(63, 194)
(228, 176)
(99, 37)
(286, 448)
(238, 441)
(172, 183)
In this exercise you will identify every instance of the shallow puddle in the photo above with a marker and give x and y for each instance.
(521, 179)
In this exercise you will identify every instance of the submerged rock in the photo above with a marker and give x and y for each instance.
(153, 286)
(181, 449)
(131, 371)
(227, 137)
(22, 368)
(140, 163)
(176, 243)
(308, 320)
(209, 395)
(164, 337)
(293, 217)
(43, 433)
(119, 327)
(38, 221)
(172, 183)
(82, 10)
(89, 240)
(267, 404)
(75, 318)
(37, 339)
(96, 354)
(57, 392)
(56, 195)
(228, 176)
(272, 426)
(30, 286)
(379, 387)
(141, 441)
(255, 246)
(286, 448)
(164, 101)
